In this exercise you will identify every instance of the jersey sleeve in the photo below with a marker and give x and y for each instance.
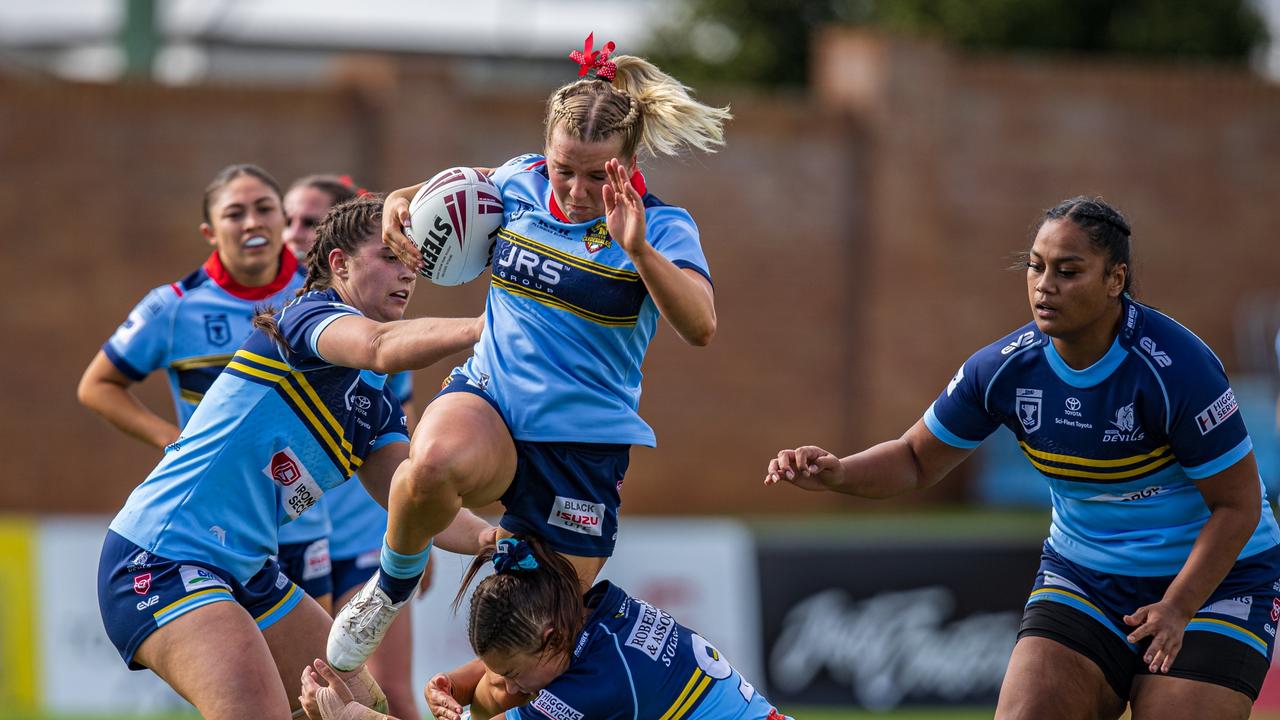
(959, 417)
(302, 322)
(1206, 431)
(402, 385)
(503, 172)
(141, 344)
(673, 233)
(396, 427)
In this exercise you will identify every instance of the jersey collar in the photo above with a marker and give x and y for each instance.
(219, 274)
(1091, 375)
(637, 182)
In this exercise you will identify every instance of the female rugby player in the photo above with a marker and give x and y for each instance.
(1155, 588)
(187, 586)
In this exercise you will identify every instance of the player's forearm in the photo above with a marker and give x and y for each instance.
(414, 344)
(119, 407)
(466, 679)
(685, 301)
(1217, 546)
(881, 471)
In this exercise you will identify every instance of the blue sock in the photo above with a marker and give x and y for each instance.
(401, 573)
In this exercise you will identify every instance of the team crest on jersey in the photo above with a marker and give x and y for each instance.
(597, 238)
(142, 583)
(1127, 424)
(1027, 406)
(217, 329)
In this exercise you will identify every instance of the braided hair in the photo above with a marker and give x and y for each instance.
(652, 112)
(1105, 227)
(512, 609)
(345, 227)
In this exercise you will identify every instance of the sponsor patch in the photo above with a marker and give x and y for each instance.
(197, 578)
(315, 560)
(1237, 607)
(1221, 409)
(579, 516)
(1055, 580)
(298, 488)
(555, 708)
(652, 629)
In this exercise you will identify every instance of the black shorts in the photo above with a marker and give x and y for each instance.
(1229, 642)
(567, 493)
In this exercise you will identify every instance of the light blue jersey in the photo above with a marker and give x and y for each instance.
(568, 319)
(633, 660)
(360, 522)
(1120, 443)
(191, 328)
(278, 428)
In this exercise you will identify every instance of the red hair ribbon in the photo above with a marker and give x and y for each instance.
(595, 61)
(346, 180)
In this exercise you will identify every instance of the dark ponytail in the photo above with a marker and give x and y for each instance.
(345, 227)
(513, 608)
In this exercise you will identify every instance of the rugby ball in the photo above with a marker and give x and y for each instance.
(454, 219)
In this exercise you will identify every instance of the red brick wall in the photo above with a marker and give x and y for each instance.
(858, 237)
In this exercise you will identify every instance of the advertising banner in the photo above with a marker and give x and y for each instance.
(879, 625)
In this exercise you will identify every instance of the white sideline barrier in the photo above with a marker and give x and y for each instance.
(701, 570)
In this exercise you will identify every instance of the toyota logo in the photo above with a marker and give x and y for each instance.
(1073, 404)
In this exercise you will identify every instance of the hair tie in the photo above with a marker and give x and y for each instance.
(595, 64)
(351, 185)
(514, 555)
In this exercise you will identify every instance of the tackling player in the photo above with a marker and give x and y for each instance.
(187, 586)
(192, 327)
(1158, 583)
(600, 656)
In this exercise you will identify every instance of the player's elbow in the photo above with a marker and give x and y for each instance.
(702, 334)
(89, 391)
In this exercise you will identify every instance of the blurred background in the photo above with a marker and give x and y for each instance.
(886, 162)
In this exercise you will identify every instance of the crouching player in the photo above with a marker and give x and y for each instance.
(567, 654)
(186, 583)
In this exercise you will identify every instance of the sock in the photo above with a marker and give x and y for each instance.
(401, 573)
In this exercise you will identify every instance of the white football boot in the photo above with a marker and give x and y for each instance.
(360, 626)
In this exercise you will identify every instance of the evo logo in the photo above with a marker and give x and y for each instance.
(1025, 339)
(1161, 357)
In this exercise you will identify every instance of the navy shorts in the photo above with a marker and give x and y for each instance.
(308, 565)
(567, 493)
(354, 572)
(139, 592)
(1229, 642)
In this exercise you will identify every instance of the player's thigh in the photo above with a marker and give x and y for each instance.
(462, 434)
(1049, 681)
(1158, 697)
(295, 640)
(216, 658)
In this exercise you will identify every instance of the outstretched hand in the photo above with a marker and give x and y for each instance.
(623, 209)
(324, 693)
(1165, 624)
(440, 700)
(808, 467)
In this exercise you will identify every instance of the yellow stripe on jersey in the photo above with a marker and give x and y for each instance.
(324, 409)
(340, 446)
(1224, 623)
(191, 396)
(261, 360)
(573, 260)
(1090, 462)
(677, 706)
(189, 598)
(555, 302)
(201, 362)
(1090, 475)
(1067, 593)
(279, 603)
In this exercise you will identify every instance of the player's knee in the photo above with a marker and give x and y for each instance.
(434, 470)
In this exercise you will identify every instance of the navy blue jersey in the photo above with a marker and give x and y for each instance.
(633, 660)
(279, 426)
(1120, 443)
(568, 319)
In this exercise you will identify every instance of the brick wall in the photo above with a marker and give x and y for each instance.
(858, 236)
